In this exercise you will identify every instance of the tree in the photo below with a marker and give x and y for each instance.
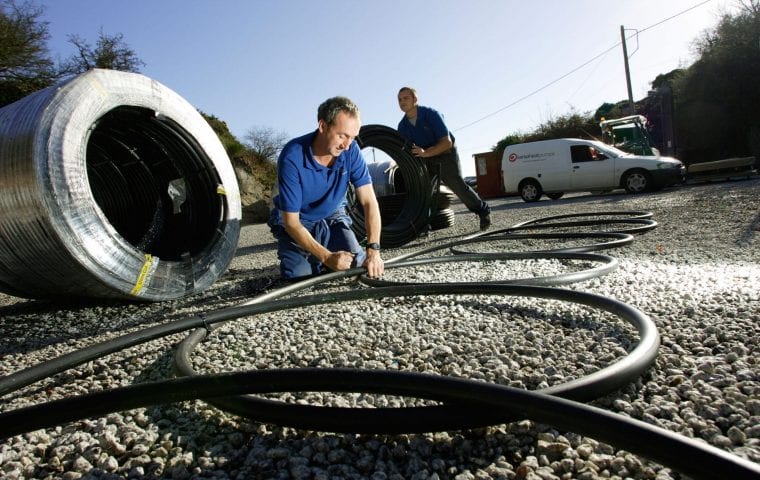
(265, 143)
(110, 52)
(571, 125)
(667, 79)
(513, 139)
(231, 144)
(716, 98)
(611, 110)
(25, 64)
(262, 168)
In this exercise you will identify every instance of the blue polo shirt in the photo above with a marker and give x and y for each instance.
(427, 130)
(310, 189)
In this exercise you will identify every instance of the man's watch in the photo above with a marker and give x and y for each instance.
(373, 246)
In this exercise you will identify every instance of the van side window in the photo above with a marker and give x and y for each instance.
(581, 153)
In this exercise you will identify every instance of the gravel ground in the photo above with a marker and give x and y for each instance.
(696, 276)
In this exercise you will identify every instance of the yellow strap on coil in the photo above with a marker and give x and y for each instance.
(143, 274)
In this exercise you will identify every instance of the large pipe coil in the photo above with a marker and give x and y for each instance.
(412, 189)
(113, 186)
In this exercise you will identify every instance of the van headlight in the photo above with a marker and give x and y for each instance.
(668, 165)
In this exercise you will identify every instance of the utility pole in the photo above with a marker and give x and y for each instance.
(627, 72)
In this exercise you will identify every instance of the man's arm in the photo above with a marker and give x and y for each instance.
(443, 145)
(291, 221)
(365, 195)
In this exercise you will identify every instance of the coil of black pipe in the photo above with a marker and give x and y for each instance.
(414, 215)
(635, 225)
(113, 187)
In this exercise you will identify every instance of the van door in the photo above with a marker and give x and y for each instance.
(590, 168)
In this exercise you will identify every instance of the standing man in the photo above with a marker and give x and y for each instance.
(309, 218)
(432, 141)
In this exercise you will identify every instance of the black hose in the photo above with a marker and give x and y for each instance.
(391, 420)
(642, 222)
(466, 403)
(414, 217)
(618, 240)
(626, 214)
(37, 372)
(639, 225)
(274, 302)
(615, 240)
(692, 457)
(608, 264)
(27, 376)
(398, 420)
(205, 322)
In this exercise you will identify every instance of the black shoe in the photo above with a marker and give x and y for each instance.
(485, 220)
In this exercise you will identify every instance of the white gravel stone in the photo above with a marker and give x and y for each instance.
(696, 275)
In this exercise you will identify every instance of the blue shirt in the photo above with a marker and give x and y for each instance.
(310, 189)
(427, 130)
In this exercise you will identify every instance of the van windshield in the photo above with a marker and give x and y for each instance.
(610, 151)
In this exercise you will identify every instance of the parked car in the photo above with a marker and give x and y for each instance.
(553, 167)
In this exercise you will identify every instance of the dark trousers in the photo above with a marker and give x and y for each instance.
(447, 164)
(334, 232)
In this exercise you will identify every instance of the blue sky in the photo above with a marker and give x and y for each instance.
(269, 63)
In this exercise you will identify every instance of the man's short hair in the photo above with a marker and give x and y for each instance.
(408, 89)
(330, 108)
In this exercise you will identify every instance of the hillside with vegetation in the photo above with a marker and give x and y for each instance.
(26, 66)
(254, 165)
(714, 102)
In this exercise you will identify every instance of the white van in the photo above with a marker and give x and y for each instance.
(564, 165)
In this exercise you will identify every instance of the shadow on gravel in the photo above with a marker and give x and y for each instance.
(752, 232)
(255, 450)
(607, 198)
(22, 329)
(35, 324)
(252, 249)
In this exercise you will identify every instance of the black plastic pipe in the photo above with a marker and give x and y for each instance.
(414, 217)
(692, 457)
(464, 400)
(607, 264)
(373, 420)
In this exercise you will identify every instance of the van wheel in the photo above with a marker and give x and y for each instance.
(555, 195)
(637, 181)
(530, 191)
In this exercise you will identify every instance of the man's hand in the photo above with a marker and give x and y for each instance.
(443, 145)
(339, 261)
(418, 151)
(374, 264)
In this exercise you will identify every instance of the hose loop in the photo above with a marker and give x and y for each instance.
(462, 403)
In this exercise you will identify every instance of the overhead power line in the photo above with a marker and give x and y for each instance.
(544, 87)
(538, 89)
(674, 16)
